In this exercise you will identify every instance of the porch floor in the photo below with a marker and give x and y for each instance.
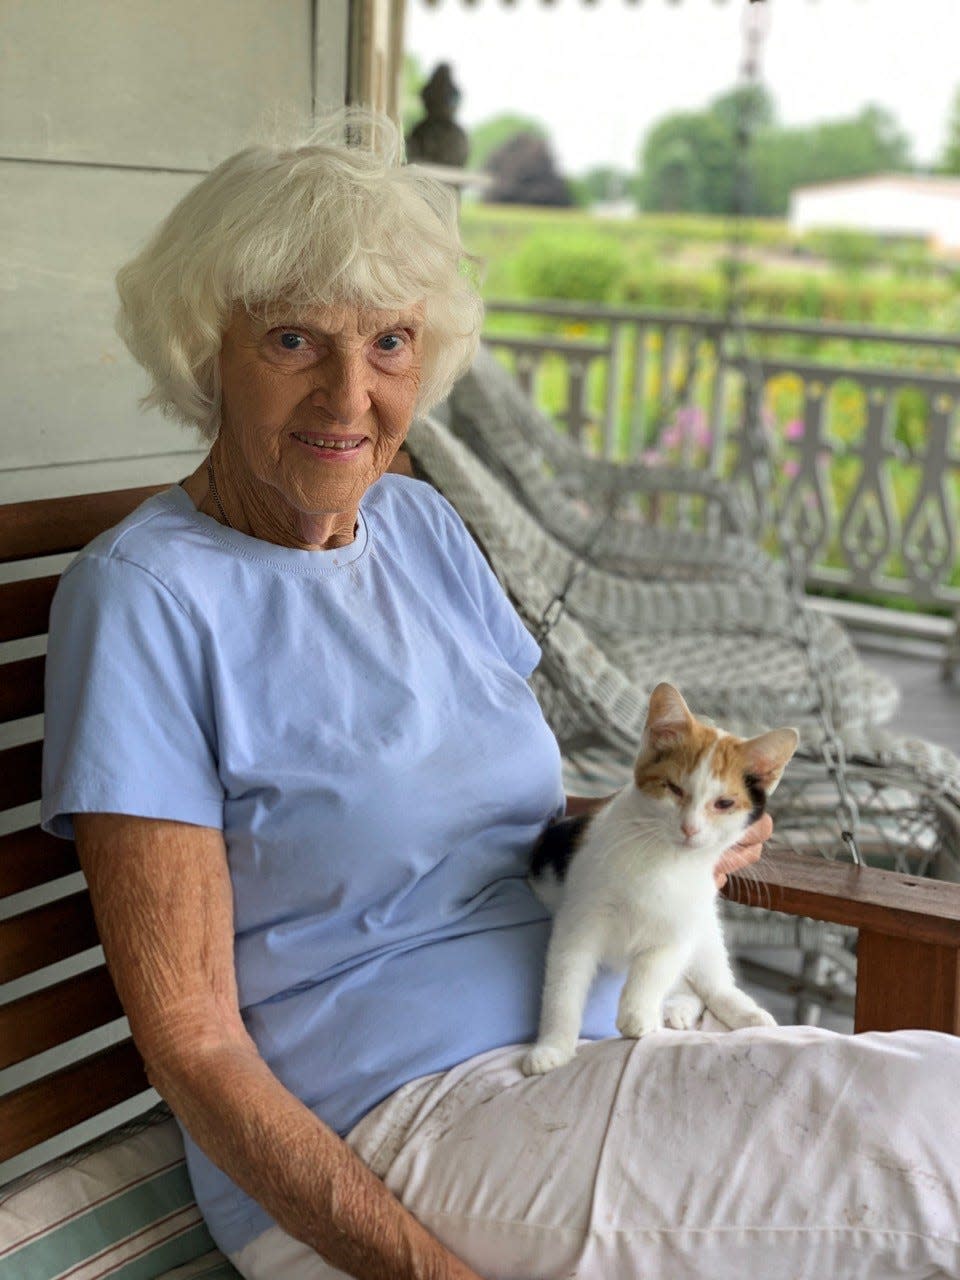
(929, 706)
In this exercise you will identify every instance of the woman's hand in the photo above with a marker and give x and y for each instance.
(747, 849)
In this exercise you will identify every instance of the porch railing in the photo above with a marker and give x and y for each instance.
(851, 457)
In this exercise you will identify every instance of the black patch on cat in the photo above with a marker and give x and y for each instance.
(557, 844)
(758, 797)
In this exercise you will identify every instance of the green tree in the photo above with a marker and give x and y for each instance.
(490, 135)
(951, 152)
(782, 159)
(753, 103)
(687, 162)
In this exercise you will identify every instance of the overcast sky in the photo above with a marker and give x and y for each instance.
(599, 75)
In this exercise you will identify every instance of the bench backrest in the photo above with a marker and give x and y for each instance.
(33, 938)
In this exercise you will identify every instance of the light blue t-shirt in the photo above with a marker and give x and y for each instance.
(358, 723)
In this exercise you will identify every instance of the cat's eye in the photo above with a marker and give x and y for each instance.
(723, 803)
(677, 791)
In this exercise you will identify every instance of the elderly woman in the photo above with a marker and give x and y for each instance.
(290, 729)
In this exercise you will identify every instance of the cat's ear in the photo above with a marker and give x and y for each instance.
(766, 757)
(668, 718)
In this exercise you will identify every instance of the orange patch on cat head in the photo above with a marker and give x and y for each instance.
(675, 743)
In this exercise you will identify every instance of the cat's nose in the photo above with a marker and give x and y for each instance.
(689, 829)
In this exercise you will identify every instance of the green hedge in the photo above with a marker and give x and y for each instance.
(797, 296)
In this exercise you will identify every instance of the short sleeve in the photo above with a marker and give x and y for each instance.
(511, 637)
(129, 724)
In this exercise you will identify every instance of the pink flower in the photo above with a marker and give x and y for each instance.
(672, 438)
(794, 430)
(703, 436)
(690, 419)
(651, 458)
(791, 468)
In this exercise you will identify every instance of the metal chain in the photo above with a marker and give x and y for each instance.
(578, 565)
(755, 31)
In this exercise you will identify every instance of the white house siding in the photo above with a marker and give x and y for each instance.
(109, 111)
(927, 207)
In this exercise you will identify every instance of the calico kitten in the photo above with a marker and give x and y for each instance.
(633, 886)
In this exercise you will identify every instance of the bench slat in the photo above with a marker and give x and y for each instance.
(48, 1107)
(21, 688)
(30, 858)
(45, 935)
(20, 774)
(46, 1018)
(51, 526)
(25, 607)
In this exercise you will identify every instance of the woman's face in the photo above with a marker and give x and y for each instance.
(315, 404)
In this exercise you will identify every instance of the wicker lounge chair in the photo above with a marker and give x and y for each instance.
(734, 651)
(569, 492)
(690, 632)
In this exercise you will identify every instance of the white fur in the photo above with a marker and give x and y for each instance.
(640, 895)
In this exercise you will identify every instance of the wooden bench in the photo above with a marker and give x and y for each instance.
(909, 946)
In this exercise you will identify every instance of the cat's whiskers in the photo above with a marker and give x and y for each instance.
(759, 892)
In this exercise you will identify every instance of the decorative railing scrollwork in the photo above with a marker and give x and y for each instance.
(851, 457)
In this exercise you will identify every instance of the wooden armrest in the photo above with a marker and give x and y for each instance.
(908, 951)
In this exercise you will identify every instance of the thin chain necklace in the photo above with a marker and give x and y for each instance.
(213, 491)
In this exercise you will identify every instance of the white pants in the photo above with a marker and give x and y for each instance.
(772, 1154)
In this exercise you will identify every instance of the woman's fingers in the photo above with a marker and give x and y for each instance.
(747, 849)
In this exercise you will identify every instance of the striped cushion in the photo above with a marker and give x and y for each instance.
(121, 1207)
(212, 1266)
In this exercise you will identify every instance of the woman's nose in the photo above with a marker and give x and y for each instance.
(343, 391)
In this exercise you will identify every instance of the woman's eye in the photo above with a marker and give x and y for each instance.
(677, 791)
(723, 803)
(291, 341)
(390, 342)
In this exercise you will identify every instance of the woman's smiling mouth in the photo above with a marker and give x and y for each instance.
(332, 446)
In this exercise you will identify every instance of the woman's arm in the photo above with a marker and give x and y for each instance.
(162, 898)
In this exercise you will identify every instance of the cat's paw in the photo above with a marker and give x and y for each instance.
(749, 1018)
(634, 1024)
(682, 1012)
(542, 1058)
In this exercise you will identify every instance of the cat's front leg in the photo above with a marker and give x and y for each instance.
(652, 974)
(572, 959)
(711, 976)
(683, 1009)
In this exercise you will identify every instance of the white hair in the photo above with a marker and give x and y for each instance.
(314, 223)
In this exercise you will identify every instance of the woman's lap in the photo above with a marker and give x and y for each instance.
(787, 1152)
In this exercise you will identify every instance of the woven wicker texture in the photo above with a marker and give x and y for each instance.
(569, 492)
(732, 648)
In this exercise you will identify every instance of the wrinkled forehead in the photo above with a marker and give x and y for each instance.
(339, 319)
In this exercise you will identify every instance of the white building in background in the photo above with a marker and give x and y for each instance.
(886, 204)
